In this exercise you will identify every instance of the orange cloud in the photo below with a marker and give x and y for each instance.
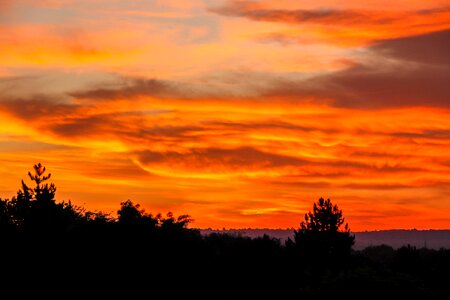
(43, 46)
(342, 26)
(238, 166)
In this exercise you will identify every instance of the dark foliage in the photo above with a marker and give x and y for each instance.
(56, 249)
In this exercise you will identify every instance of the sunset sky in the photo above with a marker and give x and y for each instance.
(239, 113)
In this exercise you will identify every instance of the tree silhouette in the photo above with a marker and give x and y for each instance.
(35, 209)
(129, 212)
(42, 192)
(40, 235)
(170, 222)
(320, 239)
(6, 221)
(131, 215)
(324, 218)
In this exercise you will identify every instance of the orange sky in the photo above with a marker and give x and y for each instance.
(239, 113)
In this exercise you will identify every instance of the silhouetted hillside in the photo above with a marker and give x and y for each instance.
(432, 239)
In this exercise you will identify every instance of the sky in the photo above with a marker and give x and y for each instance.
(239, 113)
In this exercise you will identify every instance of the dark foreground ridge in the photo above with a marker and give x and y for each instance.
(51, 248)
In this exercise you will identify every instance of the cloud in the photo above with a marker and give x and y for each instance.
(127, 88)
(261, 126)
(378, 186)
(123, 127)
(341, 26)
(432, 48)
(255, 11)
(118, 168)
(37, 107)
(438, 134)
(324, 16)
(85, 127)
(413, 79)
(370, 87)
(4, 4)
(216, 160)
(255, 163)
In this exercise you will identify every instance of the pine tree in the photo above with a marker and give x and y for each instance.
(320, 239)
(42, 192)
(35, 209)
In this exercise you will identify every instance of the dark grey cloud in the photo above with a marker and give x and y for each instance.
(37, 107)
(432, 48)
(248, 157)
(415, 79)
(72, 120)
(260, 125)
(124, 126)
(375, 186)
(372, 87)
(170, 131)
(253, 11)
(232, 158)
(428, 134)
(126, 88)
(386, 168)
(90, 125)
(325, 16)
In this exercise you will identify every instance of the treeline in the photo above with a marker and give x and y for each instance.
(56, 246)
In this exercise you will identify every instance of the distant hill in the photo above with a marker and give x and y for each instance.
(433, 239)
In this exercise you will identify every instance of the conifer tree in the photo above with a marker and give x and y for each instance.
(321, 238)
